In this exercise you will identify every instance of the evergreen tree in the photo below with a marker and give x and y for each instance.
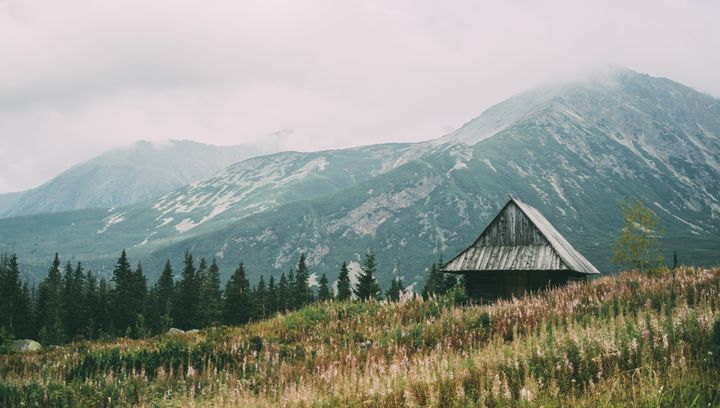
(187, 296)
(283, 293)
(433, 283)
(14, 304)
(272, 297)
(210, 295)
(102, 315)
(122, 298)
(343, 284)
(72, 302)
(237, 307)
(89, 304)
(165, 293)
(367, 287)
(324, 293)
(396, 289)
(49, 307)
(291, 305)
(139, 300)
(260, 300)
(302, 293)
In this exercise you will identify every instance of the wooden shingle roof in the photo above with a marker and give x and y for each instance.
(520, 238)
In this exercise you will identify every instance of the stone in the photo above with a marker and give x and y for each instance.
(25, 345)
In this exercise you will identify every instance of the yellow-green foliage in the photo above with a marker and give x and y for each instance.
(617, 341)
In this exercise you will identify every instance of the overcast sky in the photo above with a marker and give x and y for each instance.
(78, 77)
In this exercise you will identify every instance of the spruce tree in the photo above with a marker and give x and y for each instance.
(123, 306)
(396, 288)
(14, 304)
(272, 297)
(367, 287)
(433, 283)
(165, 293)
(260, 301)
(102, 314)
(139, 299)
(49, 307)
(210, 307)
(344, 291)
(237, 307)
(89, 305)
(291, 292)
(302, 293)
(187, 296)
(324, 293)
(283, 293)
(73, 291)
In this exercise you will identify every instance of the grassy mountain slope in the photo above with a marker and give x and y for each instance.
(617, 341)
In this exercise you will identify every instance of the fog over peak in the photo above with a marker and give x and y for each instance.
(86, 76)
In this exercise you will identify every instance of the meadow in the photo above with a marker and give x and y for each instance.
(628, 340)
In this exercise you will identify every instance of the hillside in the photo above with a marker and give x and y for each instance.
(126, 175)
(573, 151)
(630, 339)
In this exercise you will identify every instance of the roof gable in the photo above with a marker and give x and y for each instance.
(520, 238)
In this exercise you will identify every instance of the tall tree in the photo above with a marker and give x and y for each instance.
(237, 307)
(638, 244)
(49, 307)
(434, 283)
(210, 308)
(139, 300)
(272, 296)
(89, 305)
(395, 290)
(72, 303)
(165, 293)
(14, 304)
(260, 299)
(301, 289)
(187, 295)
(283, 293)
(102, 313)
(324, 293)
(344, 291)
(123, 304)
(367, 287)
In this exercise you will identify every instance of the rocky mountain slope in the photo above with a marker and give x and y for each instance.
(126, 175)
(572, 151)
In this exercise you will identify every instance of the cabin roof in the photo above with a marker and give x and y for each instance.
(549, 251)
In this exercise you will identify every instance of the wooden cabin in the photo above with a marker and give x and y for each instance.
(518, 252)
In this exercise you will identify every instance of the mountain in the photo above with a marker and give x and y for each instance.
(126, 175)
(573, 151)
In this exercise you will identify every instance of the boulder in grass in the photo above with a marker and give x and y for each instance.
(173, 331)
(193, 331)
(25, 345)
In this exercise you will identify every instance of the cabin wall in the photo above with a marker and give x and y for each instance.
(511, 228)
(489, 286)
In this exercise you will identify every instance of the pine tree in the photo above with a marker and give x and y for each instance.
(89, 304)
(290, 302)
(139, 298)
(367, 287)
(187, 296)
(165, 293)
(283, 293)
(433, 283)
(103, 318)
(49, 307)
(14, 304)
(324, 293)
(123, 306)
(396, 289)
(72, 302)
(302, 293)
(237, 307)
(343, 284)
(260, 300)
(272, 297)
(210, 308)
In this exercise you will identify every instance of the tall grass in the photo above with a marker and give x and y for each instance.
(617, 341)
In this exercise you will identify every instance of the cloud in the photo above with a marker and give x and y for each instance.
(82, 76)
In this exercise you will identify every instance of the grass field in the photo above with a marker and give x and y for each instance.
(630, 340)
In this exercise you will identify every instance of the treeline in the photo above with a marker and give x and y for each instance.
(71, 303)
